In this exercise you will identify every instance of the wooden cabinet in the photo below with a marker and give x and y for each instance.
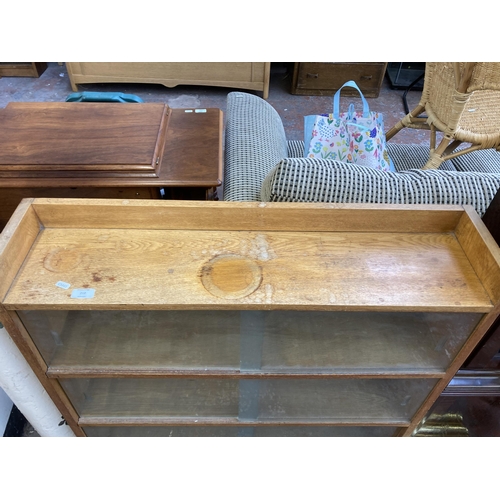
(107, 150)
(29, 69)
(241, 75)
(147, 318)
(312, 78)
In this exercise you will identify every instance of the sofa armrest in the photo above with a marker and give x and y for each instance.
(255, 142)
(295, 149)
(314, 180)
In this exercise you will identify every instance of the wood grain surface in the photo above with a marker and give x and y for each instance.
(12, 197)
(68, 145)
(93, 136)
(16, 240)
(167, 269)
(337, 256)
(247, 216)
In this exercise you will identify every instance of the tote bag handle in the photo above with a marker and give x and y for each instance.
(336, 101)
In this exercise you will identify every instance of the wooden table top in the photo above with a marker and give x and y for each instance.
(109, 144)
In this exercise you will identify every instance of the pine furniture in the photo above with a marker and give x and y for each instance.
(187, 318)
(240, 75)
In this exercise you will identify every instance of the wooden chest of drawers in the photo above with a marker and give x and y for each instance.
(147, 318)
(313, 78)
(30, 69)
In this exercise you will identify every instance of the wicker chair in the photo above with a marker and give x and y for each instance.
(461, 100)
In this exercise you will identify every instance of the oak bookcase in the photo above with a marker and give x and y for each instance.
(164, 318)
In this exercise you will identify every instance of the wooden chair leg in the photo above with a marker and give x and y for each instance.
(436, 156)
(434, 161)
(433, 137)
(407, 121)
(451, 147)
(444, 145)
(394, 130)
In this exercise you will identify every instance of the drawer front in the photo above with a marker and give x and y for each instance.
(327, 78)
(243, 342)
(212, 400)
(240, 431)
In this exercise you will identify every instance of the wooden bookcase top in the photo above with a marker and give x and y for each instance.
(198, 255)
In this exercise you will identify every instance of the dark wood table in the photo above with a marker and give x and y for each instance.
(107, 150)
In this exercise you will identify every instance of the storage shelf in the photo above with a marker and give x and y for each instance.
(235, 343)
(276, 399)
(240, 319)
(194, 422)
(242, 431)
(56, 373)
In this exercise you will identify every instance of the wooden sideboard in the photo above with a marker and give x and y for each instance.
(241, 75)
(107, 150)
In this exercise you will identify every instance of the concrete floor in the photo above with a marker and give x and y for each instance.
(54, 85)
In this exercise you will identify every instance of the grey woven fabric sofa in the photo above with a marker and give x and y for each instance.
(262, 165)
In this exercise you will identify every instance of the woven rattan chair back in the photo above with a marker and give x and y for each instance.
(461, 102)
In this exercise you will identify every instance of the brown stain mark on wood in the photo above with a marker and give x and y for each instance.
(62, 259)
(231, 276)
(96, 277)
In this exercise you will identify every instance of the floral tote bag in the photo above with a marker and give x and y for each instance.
(351, 137)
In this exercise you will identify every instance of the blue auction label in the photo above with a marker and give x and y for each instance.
(63, 285)
(83, 293)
